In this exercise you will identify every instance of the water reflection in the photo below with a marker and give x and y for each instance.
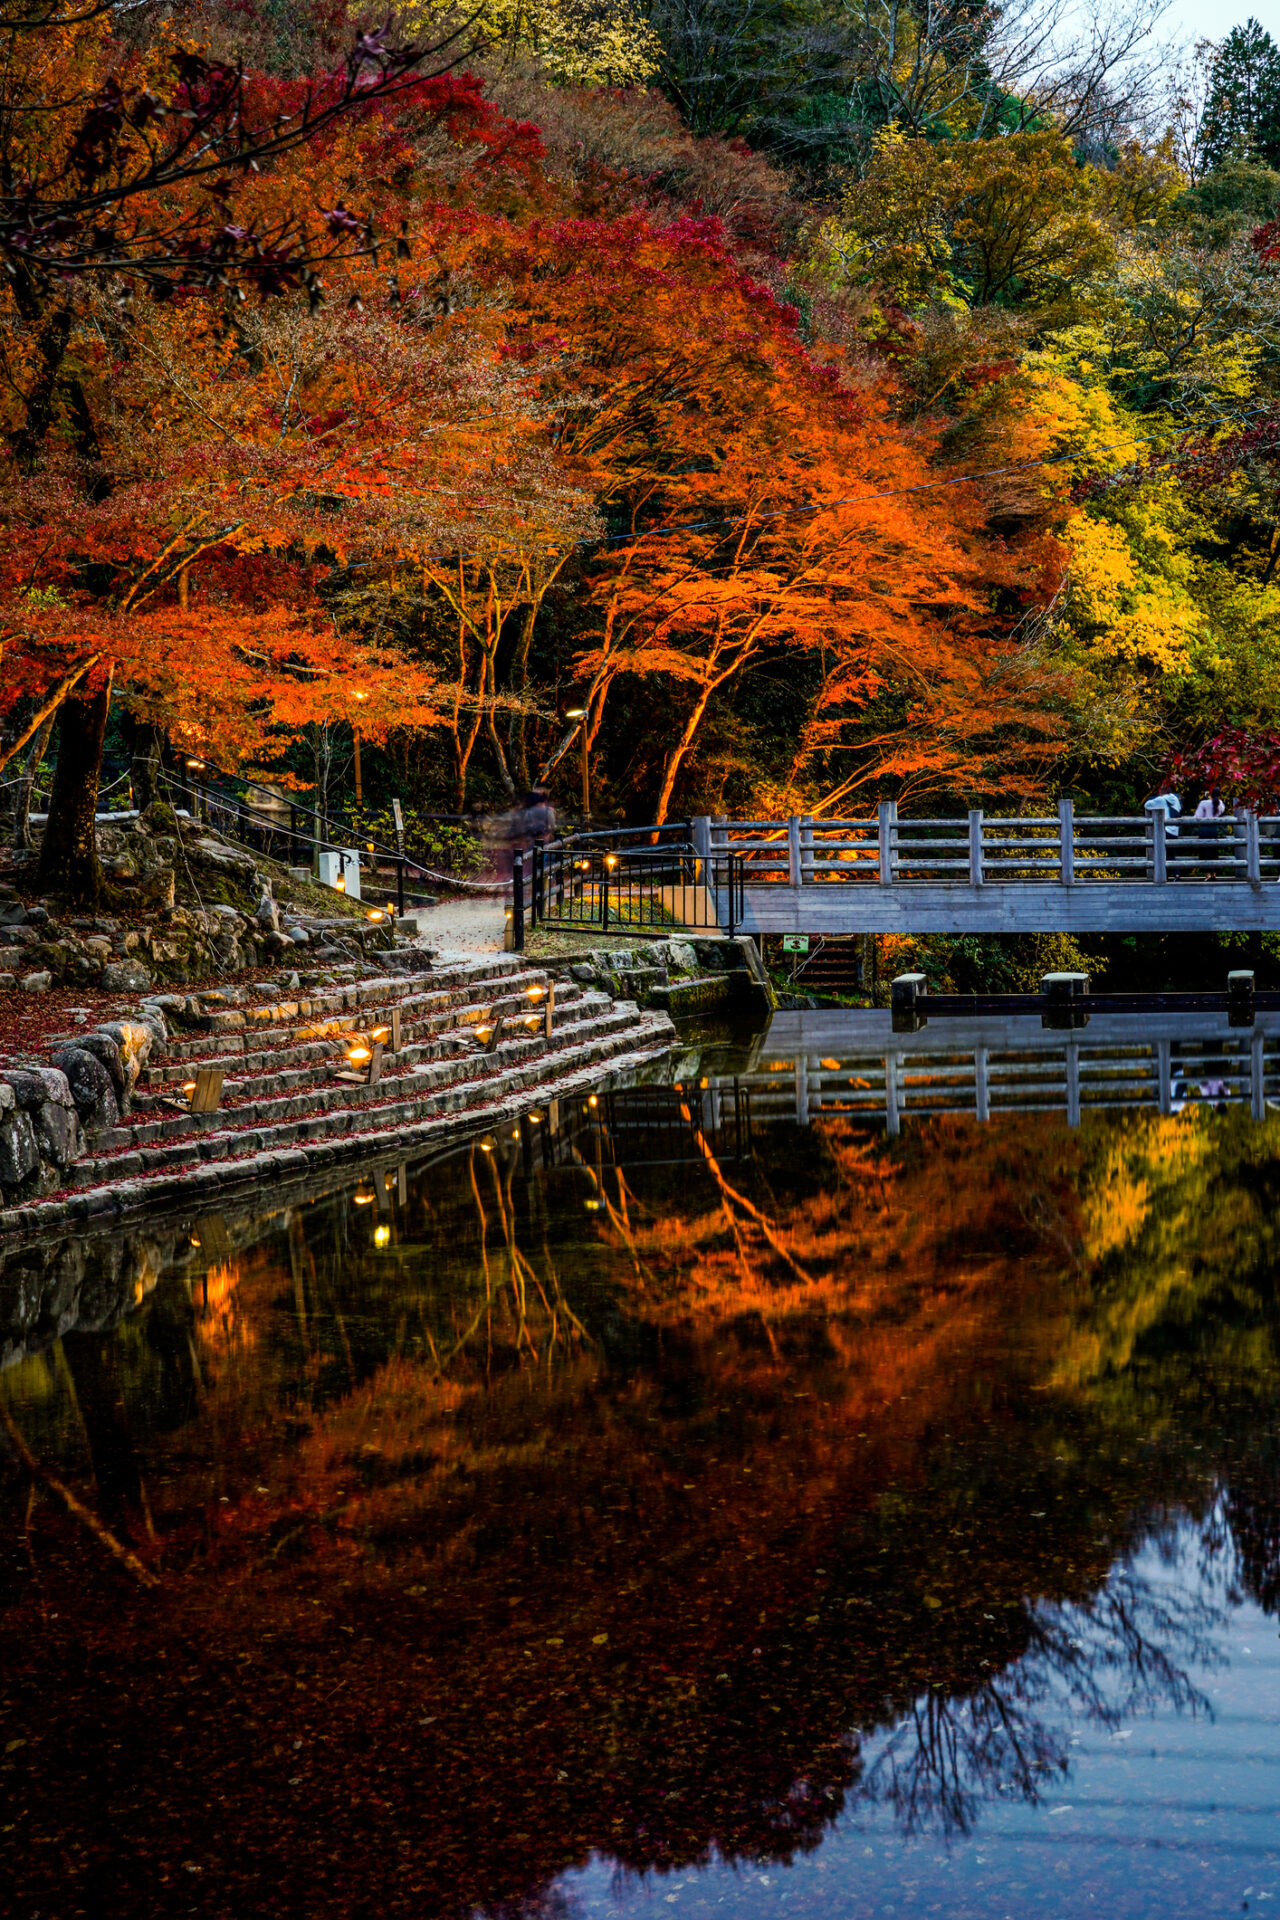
(641, 1490)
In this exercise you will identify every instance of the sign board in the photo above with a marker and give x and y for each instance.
(795, 943)
(398, 817)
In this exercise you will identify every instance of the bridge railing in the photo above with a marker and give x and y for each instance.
(875, 1085)
(978, 849)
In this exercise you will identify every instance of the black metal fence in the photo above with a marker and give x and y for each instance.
(602, 883)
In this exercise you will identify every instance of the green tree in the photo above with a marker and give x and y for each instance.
(1242, 114)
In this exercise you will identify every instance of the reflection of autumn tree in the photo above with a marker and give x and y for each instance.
(661, 1582)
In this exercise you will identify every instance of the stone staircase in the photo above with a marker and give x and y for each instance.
(284, 1107)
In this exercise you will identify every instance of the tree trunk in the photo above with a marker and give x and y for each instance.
(144, 768)
(21, 839)
(69, 862)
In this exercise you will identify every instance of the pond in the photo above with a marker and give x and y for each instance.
(681, 1501)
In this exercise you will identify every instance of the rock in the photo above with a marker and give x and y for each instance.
(125, 976)
(268, 913)
(156, 889)
(275, 942)
(8, 981)
(37, 916)
(134, 1041)
(37, 982)
(19, 1150)
(103, 1048)
(90, 1085)
(33, 1086)
(299, 936)
(58, 1132)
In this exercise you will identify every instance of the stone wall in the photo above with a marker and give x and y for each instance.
(684, 976)
(48, 1113)
(187, 905)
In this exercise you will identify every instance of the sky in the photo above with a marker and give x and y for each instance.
(1214, 19)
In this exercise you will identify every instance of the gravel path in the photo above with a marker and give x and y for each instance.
(465, 924)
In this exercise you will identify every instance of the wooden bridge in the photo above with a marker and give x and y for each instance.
(1061, 873)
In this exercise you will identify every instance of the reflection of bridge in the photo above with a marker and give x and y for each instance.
(816, 1063)
(1061, 873)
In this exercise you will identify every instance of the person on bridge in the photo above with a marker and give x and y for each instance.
(1165, 801)
(1210, 810)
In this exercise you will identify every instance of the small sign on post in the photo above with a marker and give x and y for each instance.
(206, 1095)
(795, 943)
(398, 816)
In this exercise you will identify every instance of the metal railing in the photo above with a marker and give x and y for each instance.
(984, 850)
(614, 887)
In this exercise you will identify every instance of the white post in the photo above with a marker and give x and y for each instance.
(1066, 842)
(1252, 849)
(887, 812)
(975, 846)
(1160, 847)
(1073, 1084)
(793, 850)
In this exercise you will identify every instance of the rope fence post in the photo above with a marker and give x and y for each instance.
(517, 902)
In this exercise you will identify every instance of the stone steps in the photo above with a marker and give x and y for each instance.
(213, 1163)
(324, 1094)
(424, 1018)
(282, 1096)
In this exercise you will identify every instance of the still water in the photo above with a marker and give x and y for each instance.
(661, 1507)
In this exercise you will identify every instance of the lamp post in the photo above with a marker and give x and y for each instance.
(355, 735)
(580, 713)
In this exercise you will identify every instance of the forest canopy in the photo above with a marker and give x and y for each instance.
(830, 404)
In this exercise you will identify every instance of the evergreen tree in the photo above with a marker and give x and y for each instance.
(1242, 114)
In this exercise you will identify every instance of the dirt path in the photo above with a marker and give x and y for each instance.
(465, 924)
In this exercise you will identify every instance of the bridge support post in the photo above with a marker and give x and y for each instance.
(1159, 848)
(702, 848)
(1252, 850)
(887, 813)
(793, 850)
(1059, 990)
(975, 846)
(904, 1003)
(1240, 999)
(1073, 1083)
(1067, 842)
(1257, 1079)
